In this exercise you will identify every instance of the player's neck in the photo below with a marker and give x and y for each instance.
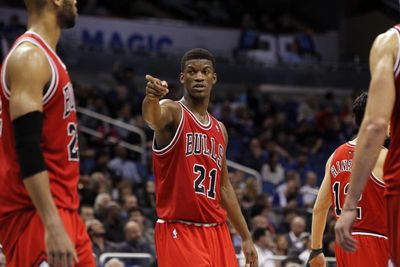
(47, 27)
(198, 107)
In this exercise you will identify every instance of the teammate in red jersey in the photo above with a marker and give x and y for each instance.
(383, 106)
(39, 168)
(194, 196)
(370, 227)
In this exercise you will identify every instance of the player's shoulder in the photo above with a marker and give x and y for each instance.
(169, 103)
(386, 40)
(28, 57)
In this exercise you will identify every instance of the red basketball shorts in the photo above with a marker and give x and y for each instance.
(372, 251)
(181, 245)
(393, 215)
(22, 235)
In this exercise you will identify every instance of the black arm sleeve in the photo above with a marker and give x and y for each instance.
(27, 134)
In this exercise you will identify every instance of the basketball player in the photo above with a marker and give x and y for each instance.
(383, 106)
(370, 227)
(193, 193)
(39, 170)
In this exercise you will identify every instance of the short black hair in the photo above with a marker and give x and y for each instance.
(35, 5)
(258, 233)
(359, 106)
(197, 53)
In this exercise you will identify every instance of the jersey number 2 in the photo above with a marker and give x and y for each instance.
(73, 150)
(198, 182)
(336, 197)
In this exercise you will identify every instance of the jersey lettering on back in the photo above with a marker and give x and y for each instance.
(188, 172)
(371, 204)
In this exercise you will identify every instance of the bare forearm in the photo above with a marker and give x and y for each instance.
(39, 191)
(371, 138)
(235, 216)
(318, 227)
(151, 110)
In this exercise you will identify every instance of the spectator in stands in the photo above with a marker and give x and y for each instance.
(97, 233)
(114, 263)
(296, 236)
(114, 222)
(272, 170)
(100, 205)
(282, 245)
(305, 43)
(134, 240)
(309, 190)
(264, 246)
(255, 156)
(123, 167)
(261, 221)
(129, 202)
(86, 190)
(287, 194)
(101, 184)
(136, 215)
(86, 213)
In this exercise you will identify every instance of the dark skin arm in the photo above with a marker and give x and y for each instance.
(163, 117)
(230, 203)
(28, 71)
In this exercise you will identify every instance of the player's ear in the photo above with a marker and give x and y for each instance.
(57, 3)
(181, 78)
(215, 78)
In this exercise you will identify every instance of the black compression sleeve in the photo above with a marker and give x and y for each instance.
(27, 133)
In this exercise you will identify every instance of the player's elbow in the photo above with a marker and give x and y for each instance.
(375, 126)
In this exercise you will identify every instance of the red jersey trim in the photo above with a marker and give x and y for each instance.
(54, 73)
(48, 47)
(174, 140)
(201, 125)
(370, 234)
(396, 68)
(376, 180)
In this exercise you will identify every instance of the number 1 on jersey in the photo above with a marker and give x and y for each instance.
(336, 197)
(198, 182)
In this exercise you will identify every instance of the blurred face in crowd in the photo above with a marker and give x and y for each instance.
(298, 225)
(87, 213)
(136, 217)
(102, 201)
(96, 228)
(130, 202)
(132, 232)
(198, 78)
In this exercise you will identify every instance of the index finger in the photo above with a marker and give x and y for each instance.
(152, 79)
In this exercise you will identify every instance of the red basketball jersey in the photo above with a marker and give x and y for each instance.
(392, 163)
(188, 172)
(371, 217)
(59, 141)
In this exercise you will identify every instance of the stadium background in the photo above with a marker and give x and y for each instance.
(288, 73)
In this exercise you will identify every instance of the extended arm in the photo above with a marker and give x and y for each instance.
(235, 216)
(373, 130)
(27, 73)
(320, 213)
